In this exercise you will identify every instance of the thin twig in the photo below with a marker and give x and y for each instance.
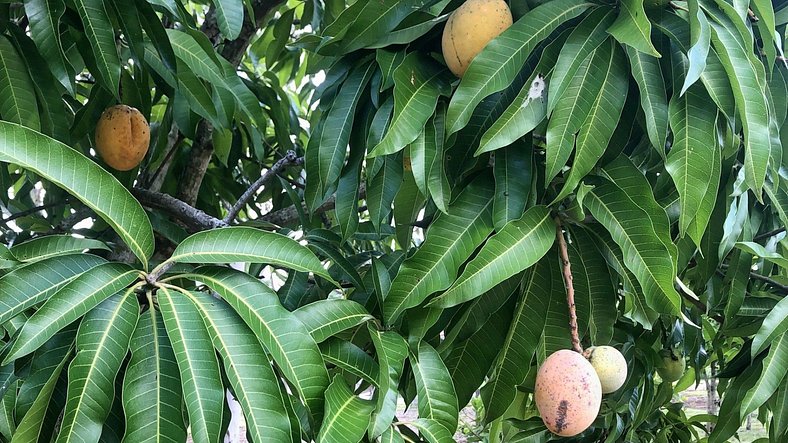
(289, 159)
(570, 289)
(763, 278)
(26, 212)
(769, 234)
(691, 297)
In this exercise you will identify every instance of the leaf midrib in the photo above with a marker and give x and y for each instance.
(527, 42)
(480, 214)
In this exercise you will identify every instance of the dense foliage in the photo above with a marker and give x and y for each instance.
(391, 228)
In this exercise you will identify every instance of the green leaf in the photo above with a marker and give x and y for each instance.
(747, 78)
(633, 28)
(518, 348)
(418, 82)
(411, 28)
(596, 131)
(34, 283)
(435, 390)
(408, 202)
(517, 246)
(246, 364)
(584, 39)
(691, 157)
(326, 318)
(713, 76)
(774, 325)
(388, 62)
(391, 435)
(152, 393)
(339, 261)
(479, 312)
(703, 211)
(7, 401)
(99, 32)
(471, 360)
(288, 341)
(245, 244)
(432, 430)
(350, 358)
(347, 415)
(729, 416)
(102, 342)
(432, 167)
(44, 16)
(700, 32)
(595, 294)
(17, 95)
(42, 363)
(653, 98)
(199, 371)
(368, 22)
(498, 64)
(95, 187)
(758, 250)
(230, 17)
(382, 190)
(71, 302)
(325, 165)
(31, 426)
(579, 106)
(634, 301)
(775, 368)
(450, 240)
(528, 108)
(42, 248)
(391, 351)
(513, 171)
(625, 206)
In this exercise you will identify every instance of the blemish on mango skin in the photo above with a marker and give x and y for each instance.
(568, 393)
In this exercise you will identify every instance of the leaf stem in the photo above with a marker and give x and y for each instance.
(570, 289)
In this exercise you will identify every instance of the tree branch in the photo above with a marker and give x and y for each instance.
(27, 212)
(288, 160)
(769, 234)
(192, 217)
(570, 289)
(233, 51)
(763, 278)
(289, 215)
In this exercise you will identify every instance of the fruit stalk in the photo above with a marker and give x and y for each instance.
(570, 289)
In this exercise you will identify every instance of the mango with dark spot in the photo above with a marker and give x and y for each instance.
(470, 28)
(568, 393)
(122, 137)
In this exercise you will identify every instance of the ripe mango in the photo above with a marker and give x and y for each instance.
(470, 28)
(568, 393)
(122, 137)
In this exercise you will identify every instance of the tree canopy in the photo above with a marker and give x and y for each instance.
(328, 223)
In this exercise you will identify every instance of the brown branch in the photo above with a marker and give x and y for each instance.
(570, 289)
(763, 278)
(288, 160)
(192, 217)
(233, 51)
(286, 216)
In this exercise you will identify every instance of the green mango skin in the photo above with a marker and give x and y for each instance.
(672, 367)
